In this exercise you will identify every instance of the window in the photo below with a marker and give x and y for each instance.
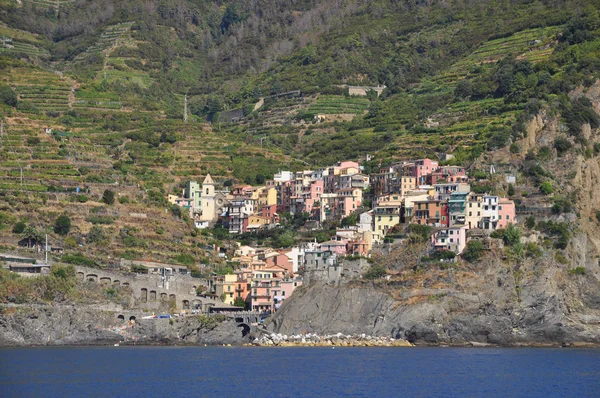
(499, 207)
(391, 218)
(207, 191)
(451, 240)
(229, 288)
(470, 204)
(283, 293)
(507, 217)
(451, 232)
(470, 214)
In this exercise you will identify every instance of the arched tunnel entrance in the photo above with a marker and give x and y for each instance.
(245, 329)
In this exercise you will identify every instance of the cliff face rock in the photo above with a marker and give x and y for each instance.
(69, 325)
(527, 310)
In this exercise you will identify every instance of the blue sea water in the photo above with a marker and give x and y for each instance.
(298, 372)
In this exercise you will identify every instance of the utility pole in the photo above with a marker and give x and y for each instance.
(185, 108)
(46, 249)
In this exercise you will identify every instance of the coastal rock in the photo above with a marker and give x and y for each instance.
(365, 312)
(26, 325)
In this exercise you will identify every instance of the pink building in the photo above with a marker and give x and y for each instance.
(311, 194)
(506, 212)
(423, 168)
(264, 283)
(348, 201)
(285, 290)
(453, 239)
(279, 260)
(335, 246)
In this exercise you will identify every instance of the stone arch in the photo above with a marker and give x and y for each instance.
(80, 276)
(121, 317)
(105, 281)
(194, 290)
(163, 297)
(152, 295)
(116, 282)
(172, 297)
(91, 278)
(239, 319)
(132, 318)
(126, 284)
(208, 307)
(144, 296)
(186, 304)
(197, 305)
(245, 329)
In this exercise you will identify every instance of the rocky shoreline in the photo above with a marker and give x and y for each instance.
(335, 340)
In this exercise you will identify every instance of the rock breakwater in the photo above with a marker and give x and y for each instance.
(332, 340)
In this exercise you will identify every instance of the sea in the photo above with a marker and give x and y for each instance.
(298, 372)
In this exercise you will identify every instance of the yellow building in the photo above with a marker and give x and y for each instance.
(384, 219)
(407, 183)
(225, 288)
(266, 196)
(473, 211)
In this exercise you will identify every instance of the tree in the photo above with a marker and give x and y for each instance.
(19, 227)
(176, 211)
(349, 221)
(8, 96)
(108, 197)
(511, 190)
(512, 235)
(32, 234)
(62, 226)
(473, 251)
(530, 222)
(463, 89)
(239, 302)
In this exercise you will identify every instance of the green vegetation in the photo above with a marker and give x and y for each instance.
(375, 271)
(473, 251)
(78, 259)
(110, 81)
(239, 302)
(62, 226)
(108, 197)
(577, 271)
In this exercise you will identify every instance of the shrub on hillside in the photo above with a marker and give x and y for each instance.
(62, 226)
(376, 271)
(108, 197)
(546, 188)
(19, 227)
(512, 235)
(473, 251)
(8, 96)
(562, 145)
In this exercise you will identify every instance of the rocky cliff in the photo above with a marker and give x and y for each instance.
(537, 303)
(87, 325)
